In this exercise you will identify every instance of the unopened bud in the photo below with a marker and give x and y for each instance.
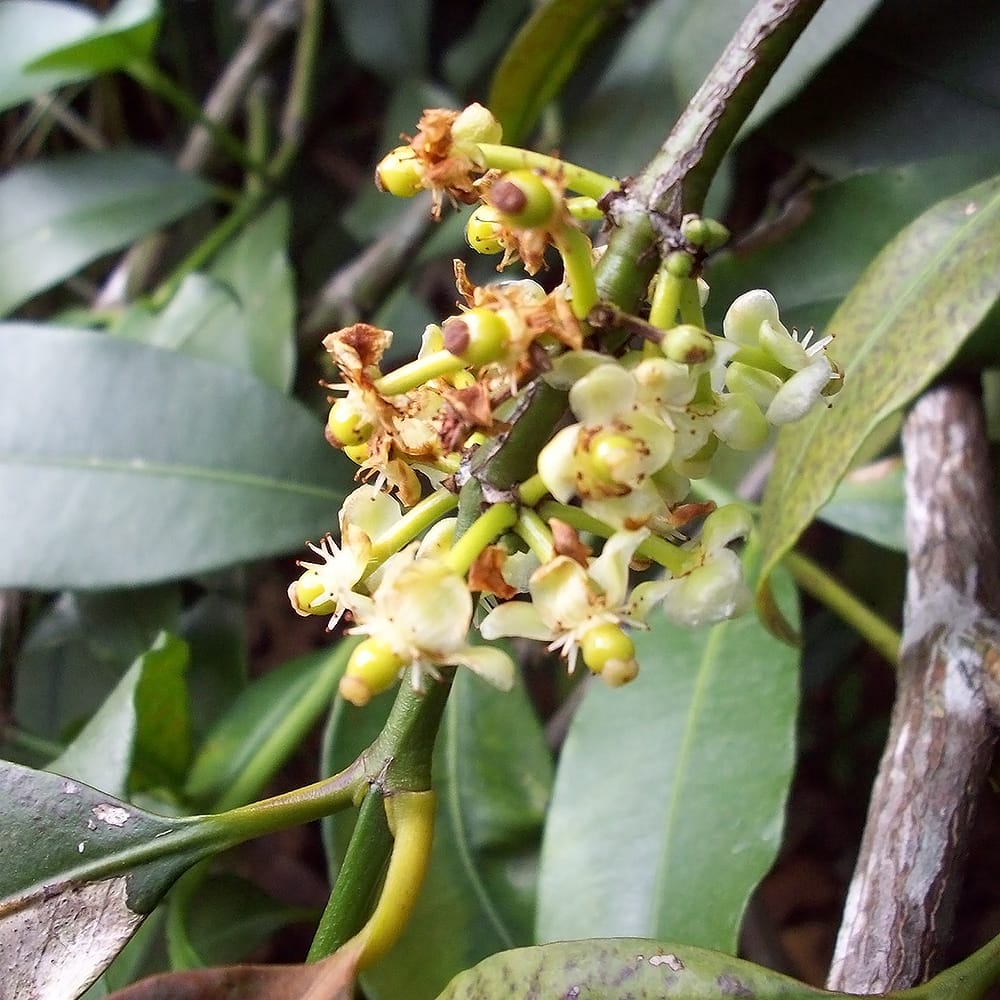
(476, 124)
(400, 173)
(373, 668)
(688, 344)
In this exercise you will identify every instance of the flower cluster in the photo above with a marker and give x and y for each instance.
(651, 400)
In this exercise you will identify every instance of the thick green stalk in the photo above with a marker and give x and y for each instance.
(356, 889)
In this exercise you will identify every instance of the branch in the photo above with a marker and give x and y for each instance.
(901, 901)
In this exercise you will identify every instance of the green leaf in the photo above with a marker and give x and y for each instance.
(79, 648)
(202, 319)
(256, 269)
(869, 502)
(900, 326)
(263, 727)
(221, 918)
(937, 71)
(492, 774)
(80, 872)
(29, 29)
(476, 52)
(709, 24)
(541, 59)
(146, 464)
(811, 270)
(670, 793)
(386, 37)
(143, 721)
(125, 35)
(623, 969)
(58, 215)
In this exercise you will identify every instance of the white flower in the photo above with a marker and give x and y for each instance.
(421, 611)
(568, 601)
(713, 589)
(328, 587)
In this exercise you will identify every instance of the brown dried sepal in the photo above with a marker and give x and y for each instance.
(486, 574)
(567, 542)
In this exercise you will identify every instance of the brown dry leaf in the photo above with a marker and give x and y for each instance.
(330, 979)
(567, 541)
(486, 575)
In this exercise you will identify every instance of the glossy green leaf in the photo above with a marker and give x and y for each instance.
(58, 215)
(29, 29)
(870, 502)
(81, 870)
(812, 269)
(125, 35)
(900, 326)
(263, 727)
(541, 58)
(256, 269)
(146, 464)
(669, 798)
(78, 649)
(143, 721)
(623, 969)
(478, 51)
(492, 773)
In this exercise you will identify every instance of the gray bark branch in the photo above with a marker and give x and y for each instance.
(901, 901)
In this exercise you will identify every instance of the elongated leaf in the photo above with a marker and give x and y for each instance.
(80, 871)
(146, 713)
(255, 267)
(29, 29)
(57, 215)
(203, 319)
(492, 773)
(670, 793)
(126, 34)
(79, 648)
(263, 727)
(146, 464)
(542, 57)
(869, 502)
(900, 326)
(812, 269)
(623, 969)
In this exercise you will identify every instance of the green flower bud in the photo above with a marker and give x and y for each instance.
(523, 199)
(705, 233)
(482, 231)
(373, 668)
(688, 344)
(400, 173)
(346, 425)
(478, 336)
(679, 264)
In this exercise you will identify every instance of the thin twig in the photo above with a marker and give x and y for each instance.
(901, 901)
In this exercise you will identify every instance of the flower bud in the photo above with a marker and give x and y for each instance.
(679, 264)
(523, 199)
(688, 344)
(347, 425)
(705, 233)
(373, 668)
(476, 124)
(400, 173)
(478, 336)
(482, 231)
